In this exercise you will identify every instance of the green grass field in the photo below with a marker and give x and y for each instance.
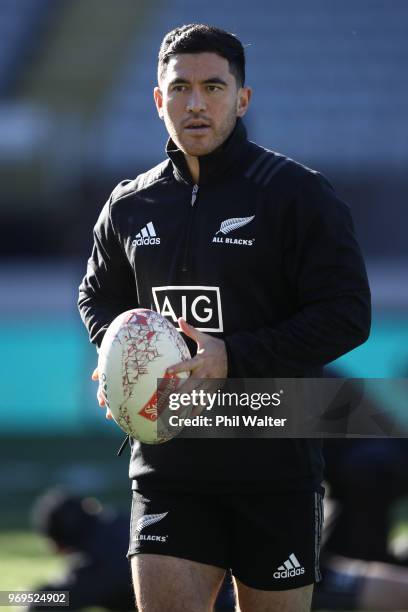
(28, 466)
(25, 560)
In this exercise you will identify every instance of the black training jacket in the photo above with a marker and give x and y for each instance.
(261, 253)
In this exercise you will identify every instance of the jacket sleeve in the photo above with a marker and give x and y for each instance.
(325, 270)
(108, 288)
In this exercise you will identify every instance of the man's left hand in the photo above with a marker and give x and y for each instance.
(211, 358)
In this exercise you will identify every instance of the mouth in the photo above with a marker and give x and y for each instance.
(197, 126)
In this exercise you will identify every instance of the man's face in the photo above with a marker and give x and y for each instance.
(199, 101)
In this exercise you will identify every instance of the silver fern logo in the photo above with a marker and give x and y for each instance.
(229, 225)
(149, 519)
(146, 521)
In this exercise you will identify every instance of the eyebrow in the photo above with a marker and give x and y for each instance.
(212, 81)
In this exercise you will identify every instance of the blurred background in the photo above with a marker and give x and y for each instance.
(77, 116)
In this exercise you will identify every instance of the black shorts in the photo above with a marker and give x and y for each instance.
(270, 542)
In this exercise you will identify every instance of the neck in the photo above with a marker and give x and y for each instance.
(194, 167)
(210, 166)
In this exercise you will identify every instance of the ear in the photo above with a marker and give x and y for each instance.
(158, 99)
(244, 97)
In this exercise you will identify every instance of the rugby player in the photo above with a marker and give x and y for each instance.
(253, 256)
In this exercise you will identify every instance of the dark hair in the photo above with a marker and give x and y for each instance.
(202, 38)
(65, 518)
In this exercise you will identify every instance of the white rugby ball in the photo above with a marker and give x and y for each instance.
(138, 347)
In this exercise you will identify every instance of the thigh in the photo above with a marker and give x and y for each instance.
(169, 583)
(277, 541)
(178, 549)
(295, 600)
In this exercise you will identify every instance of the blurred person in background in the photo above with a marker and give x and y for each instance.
(278, 246)
(94, 543)
(83, 532)
(352, 584)
(365, 478)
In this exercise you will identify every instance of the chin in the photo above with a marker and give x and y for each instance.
(197, 150)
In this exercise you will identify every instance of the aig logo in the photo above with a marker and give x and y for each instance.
(199, 306)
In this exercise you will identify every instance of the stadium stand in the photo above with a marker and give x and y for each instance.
(325, 80)
(329, 90)
(68, 52)
(85, 48)
(20, 29)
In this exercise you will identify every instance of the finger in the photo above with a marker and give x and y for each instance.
(95, 374)
(184, 366)
(166, 397)
(190, 331)
(196, 384)
(101, 398)
(196, 411)
(184, 396)
(108, 414)
(189, 384)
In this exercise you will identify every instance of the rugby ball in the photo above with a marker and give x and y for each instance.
(136, 350)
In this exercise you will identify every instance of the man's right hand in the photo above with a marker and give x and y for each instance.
(100, 396)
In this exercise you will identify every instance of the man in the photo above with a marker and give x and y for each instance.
(258, 254)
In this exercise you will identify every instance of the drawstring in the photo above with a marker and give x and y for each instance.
(123, 446)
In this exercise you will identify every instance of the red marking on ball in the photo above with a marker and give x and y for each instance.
(158, 401)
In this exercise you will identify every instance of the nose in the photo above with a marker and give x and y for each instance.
(195, 102)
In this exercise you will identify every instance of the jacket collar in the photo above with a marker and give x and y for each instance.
(214, 164)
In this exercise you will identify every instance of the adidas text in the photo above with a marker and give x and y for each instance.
(289, 573)
(145, 241)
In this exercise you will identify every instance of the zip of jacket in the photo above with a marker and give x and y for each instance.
(194, 194)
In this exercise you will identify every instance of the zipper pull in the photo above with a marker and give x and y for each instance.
(194, 195)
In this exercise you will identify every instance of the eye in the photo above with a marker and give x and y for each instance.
(179, 88)
(212, 88)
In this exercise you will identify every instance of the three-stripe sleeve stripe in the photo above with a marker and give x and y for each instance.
(252, 169)
(274, 170)
(318, 511)
(265, 167)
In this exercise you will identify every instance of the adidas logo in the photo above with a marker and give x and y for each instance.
(146, 236)
(290, 568)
